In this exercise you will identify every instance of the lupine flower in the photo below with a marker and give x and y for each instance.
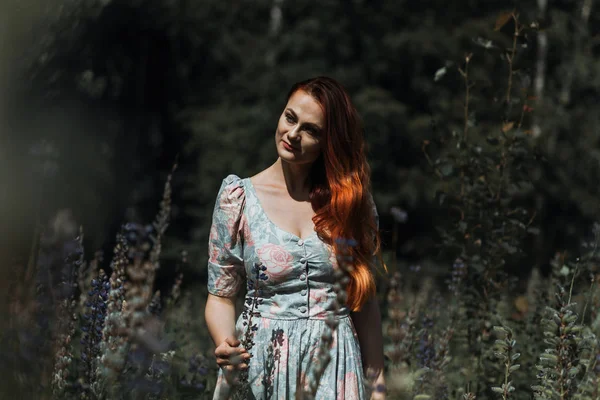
(157, 376)
(426, 350)
(93, 325)
(198, 371)
(459, 272)
(113, 345)
(71, 255)
(161, 222)
(155, 307)
(247, 341)
(273, 356)
(138, 238)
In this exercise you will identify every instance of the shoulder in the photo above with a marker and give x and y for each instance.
(232, 189)
(232, 179)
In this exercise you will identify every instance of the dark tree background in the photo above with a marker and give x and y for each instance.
(101, 97)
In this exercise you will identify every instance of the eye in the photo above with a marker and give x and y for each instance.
(312, 131)
(289, 118)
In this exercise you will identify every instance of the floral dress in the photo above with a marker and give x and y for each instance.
(294, 293)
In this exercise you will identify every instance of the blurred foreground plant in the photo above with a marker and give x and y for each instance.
(93, 334)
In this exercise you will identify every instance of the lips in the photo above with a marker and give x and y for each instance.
(289, 147)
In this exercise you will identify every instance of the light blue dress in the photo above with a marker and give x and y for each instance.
(295, 291)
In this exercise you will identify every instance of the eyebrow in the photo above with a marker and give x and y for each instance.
(309, 124)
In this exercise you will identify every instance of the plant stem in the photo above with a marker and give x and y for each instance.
(465, 75)
(505, 394)
(573, 281)
(511, 58)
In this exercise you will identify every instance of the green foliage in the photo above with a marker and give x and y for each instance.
(484, 168)
(505, 352)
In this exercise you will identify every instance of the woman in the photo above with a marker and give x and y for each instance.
(285, 221)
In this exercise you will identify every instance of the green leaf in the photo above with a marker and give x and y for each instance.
(549, 358)
(499, 329)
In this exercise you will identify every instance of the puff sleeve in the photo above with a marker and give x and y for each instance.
(226, 272)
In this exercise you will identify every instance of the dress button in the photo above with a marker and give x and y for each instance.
(302, 309)
(303, 292)
(300, 242)
(303, 260)
(302, 277)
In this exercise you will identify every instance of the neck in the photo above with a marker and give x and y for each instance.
(295, 177)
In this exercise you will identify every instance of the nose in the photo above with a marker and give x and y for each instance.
(293, 134)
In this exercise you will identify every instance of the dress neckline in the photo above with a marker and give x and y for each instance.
(264, 213)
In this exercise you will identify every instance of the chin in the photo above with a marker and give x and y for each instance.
(288, 158)
(282, 153)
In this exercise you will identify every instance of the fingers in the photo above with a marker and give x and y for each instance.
(235, 359)
(225, 363)
(238, 358)
(232, 357)
(228, 352)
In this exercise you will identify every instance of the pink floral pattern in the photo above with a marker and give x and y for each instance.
(318, 300)
(277, 260)
(247, 233)
(295, 298)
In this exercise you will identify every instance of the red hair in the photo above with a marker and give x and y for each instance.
(341, 186)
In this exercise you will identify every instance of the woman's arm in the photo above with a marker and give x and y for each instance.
(367, 323)
(220, 317)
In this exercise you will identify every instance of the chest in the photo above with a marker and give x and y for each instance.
(287, 214)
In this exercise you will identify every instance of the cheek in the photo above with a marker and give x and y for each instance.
(281, 125)
(313, 149)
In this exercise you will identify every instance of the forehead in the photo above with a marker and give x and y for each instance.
(306, 107)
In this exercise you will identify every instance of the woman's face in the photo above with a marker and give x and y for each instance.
(300, 129)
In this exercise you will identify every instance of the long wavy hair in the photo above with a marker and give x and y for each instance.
(341, 187)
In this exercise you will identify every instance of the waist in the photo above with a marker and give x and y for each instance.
(297, 308)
